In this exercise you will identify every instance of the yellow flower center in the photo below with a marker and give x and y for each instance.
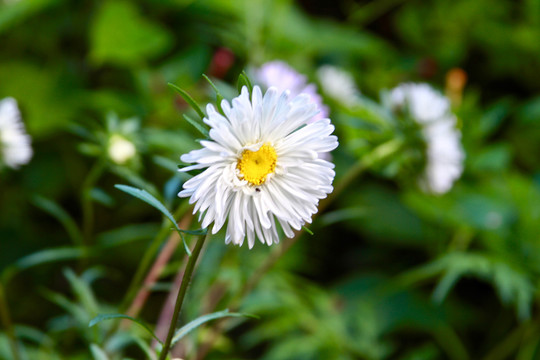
(254, 166)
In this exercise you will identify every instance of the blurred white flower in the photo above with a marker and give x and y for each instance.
(338, 84)
(430, 109)
(120, 149)
(280, 75)
(261, 165)
(15, 143)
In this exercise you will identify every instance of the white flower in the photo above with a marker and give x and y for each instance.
(338, 84)
(432, 111)
(120, 149)
(14, 141)
(280, 75)
(261, 165)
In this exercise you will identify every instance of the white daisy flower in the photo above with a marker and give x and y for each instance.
(338, 84)
(280, 75)
(431, 110)
(261, 166)
(14, 141)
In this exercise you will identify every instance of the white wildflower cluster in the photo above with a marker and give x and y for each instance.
(261, 165)
(431, 110)
(15, 143)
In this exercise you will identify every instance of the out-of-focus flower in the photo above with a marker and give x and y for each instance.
(222, 61)
(261, 165)
(280, 75)
(120, 149)
(119, 141)
(15, 143)
(431, 110)
(338, 84)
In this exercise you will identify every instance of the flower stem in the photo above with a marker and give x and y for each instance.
(186, 279)
(155, 271)
(148, 256)
(87, 207)
(6, 321)
(380, 153)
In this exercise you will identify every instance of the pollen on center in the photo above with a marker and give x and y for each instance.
(254, 166)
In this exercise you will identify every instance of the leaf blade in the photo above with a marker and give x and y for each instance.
(103, 317)
(188, 99)
(192, 325)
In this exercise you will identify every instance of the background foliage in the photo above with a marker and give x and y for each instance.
(390, 272)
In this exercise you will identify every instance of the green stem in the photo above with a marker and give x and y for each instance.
(381, 152)
(148, 257)
(6, 321)
(87, 208)
(186, 279)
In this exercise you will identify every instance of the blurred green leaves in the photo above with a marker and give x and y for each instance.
(47, 98)
(121, 35)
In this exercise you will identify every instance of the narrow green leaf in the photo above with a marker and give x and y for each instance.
(83, 292)
(307, 230)
(192, 325)
(188, 99)
(147, 198)
(219, 97)
(134, 179)
(102, 317)
(74, 309)
(211, 84)
(100, 196)
(61, 215)
(243, 80)
(50, 255)
(42, 257)
(127, 234)
(97, 353)
(197, 125)
(151, 200)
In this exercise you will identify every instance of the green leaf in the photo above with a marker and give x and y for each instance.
(188, 99)
(134, 178)
(219, 97)
(44, 256)
(121, 35)
(74, 309)
(151, 200)
(197, 125)
(127, 234)
(100, 196)
(82, 291)
(307, 230)
(61, 215)
(98, 353)
(16, 12)
(192, 325)
(243, 80)
(102, 317)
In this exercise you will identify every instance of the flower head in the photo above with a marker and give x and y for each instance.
(280, 75)
(431, 110)
(14, 141)
(338, 84)
(261, 166)
(120, 149)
